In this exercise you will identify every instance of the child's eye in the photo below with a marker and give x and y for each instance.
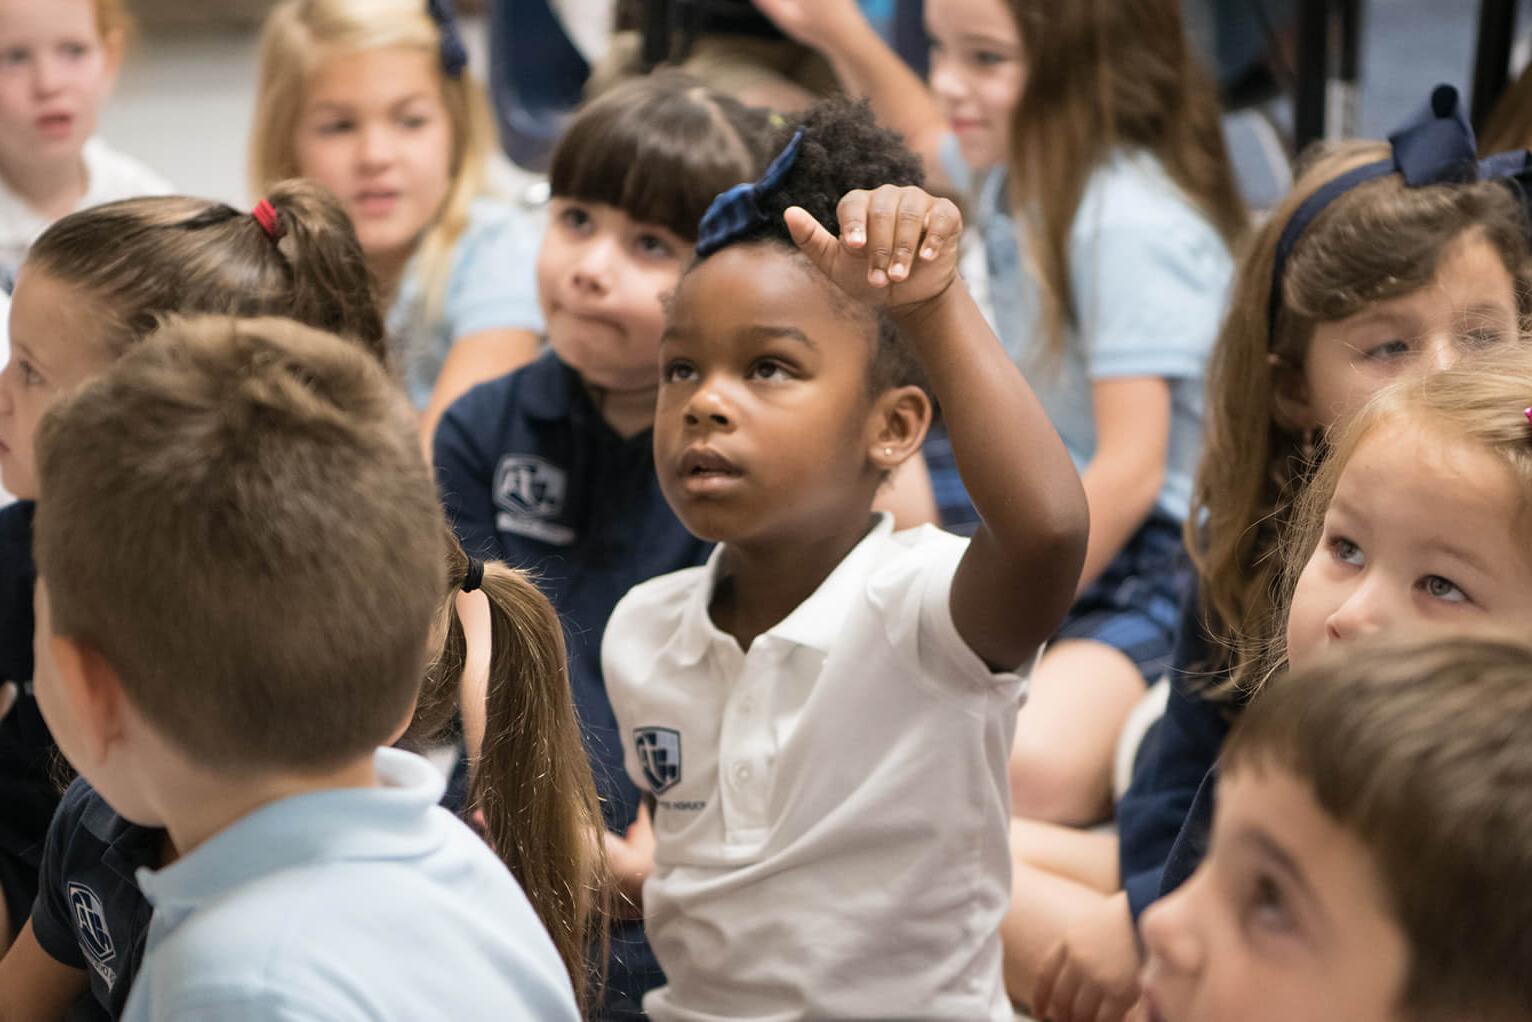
(653, 246)
(1266, 905)
(74, 51)
(769, 369)
(574, 217)
(414, 122)
(1444, 589)
(989, 58)
(15, 56)
(1483, 337)
(30, 377)
(677, 372)
(1347, 552)
(336, 127)
(1388, 349)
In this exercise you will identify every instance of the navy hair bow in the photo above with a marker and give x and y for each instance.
(737, 212)
(1435, 147)
(454, 53)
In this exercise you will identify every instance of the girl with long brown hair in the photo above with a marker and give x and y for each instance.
(1086, 138)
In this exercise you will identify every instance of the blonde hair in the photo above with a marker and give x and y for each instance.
(1421, 752)
(1380, 240)
(113, 18)
(1480, 401)
(1103, 74)
(299, 35)
(533, 780)
(239, 520)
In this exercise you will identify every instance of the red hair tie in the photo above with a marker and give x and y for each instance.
(266, 215)
(1528, 414)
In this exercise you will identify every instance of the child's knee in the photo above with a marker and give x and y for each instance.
(1052, 781)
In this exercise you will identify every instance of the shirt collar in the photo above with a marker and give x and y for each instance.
(391, 821)
(815, 623)
(550, 390)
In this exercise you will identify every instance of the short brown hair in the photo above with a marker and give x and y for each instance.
(660, 148)
(1424, 752)
(237, 517)
(147, 258)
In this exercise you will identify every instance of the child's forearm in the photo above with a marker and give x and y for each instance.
(1022, 482)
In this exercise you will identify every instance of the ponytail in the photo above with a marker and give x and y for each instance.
(147, 259)
(533, 781)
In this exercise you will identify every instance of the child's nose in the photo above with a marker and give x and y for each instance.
(1362, 614)
(47, 74)
(708, 407)
(1169, 930)
(593, 267)
(946, 82)
(377, 145)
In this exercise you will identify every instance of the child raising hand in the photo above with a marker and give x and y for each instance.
(826, 701)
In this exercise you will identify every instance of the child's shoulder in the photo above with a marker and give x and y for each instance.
(658, 605)
(1131, 189)
(116, 175)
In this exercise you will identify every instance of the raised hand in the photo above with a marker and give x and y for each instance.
(816, 23)
(898, 247)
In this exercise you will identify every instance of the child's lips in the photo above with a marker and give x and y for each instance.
(55, 125)
(705, 471)
(378, 202)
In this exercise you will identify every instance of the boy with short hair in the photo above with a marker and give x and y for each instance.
(239, 560)
(1372, 849)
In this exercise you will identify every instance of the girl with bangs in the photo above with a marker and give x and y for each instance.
(373, 99)
(1085, 138)
(551, 468)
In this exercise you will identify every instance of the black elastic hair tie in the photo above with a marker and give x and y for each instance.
(475, 576)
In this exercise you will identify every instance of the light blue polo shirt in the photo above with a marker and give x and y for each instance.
(356, 903)
(492, 286)
(1151, 278)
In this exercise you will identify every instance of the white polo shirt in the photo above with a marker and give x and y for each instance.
(833, 806)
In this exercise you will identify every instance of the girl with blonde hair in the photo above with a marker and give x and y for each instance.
(374, 100)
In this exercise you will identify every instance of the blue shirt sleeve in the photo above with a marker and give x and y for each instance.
(51, 918)
(464, 455)
(1149, 275)
(494, 277)
(1165, 786)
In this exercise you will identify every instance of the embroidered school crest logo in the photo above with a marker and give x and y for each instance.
(90, 920)
(529, 492)
(659, 750)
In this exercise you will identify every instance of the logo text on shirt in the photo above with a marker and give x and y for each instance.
(90, 923)
(530, 491)
(659, 751)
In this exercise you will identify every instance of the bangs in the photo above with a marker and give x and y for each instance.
(659, 149)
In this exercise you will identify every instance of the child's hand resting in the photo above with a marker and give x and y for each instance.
(897, 248)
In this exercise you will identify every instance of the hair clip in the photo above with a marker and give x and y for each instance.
(454, 54)
(270, 220)
(738, 211)
(475, 575)
(1528, 414)
(1434, 147)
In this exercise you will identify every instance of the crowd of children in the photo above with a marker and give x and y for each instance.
(698, 599)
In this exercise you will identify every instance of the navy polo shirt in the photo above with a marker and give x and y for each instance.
(531, 474)
(90, 913)
(28, 792)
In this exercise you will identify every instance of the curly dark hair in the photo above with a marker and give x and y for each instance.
(843, 149)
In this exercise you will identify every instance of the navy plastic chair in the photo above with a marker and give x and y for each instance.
(535, 78)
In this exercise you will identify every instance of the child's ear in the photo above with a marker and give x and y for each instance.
(92, 690)
(1291, 405)
(114, 46)
(897, 426)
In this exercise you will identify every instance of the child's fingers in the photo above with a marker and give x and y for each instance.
(1047, 976)
(811, 237)
(882, 224)
(851, 214)
(944, 222)
(909, 225)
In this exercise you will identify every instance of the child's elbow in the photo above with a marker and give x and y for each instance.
(1064, 529)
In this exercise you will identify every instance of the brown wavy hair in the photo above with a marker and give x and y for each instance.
(1381, 240)
(533, 781)
(1104, 74)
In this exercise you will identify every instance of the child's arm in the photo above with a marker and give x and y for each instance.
(867, 67)
(1124, 477)
(1019, 573)
(33, 985)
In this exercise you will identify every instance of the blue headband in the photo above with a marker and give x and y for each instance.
(1436, 147)
(454, 54)
(738, 211)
